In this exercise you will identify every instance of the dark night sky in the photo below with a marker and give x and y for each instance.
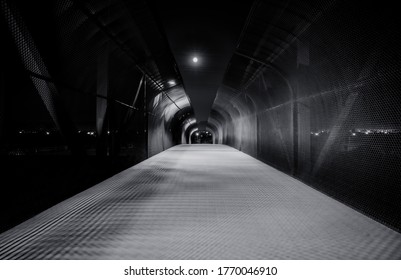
(208, 30)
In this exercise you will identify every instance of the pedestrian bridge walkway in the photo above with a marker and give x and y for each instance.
(200, 202)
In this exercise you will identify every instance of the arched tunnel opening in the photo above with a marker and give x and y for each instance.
(202, 137)
(298, 100)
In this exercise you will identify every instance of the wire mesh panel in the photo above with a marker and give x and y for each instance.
(80, 78)
(200, 202)
(326, 85)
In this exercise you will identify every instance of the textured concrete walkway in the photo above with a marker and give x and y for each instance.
(200, 202)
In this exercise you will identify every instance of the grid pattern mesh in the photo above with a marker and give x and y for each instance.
(200, 202)
(70, 77)
(328, 107)
(80, 53)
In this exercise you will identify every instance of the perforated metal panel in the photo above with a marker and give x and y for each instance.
(200, 202)
(325, 78)
(78, 53)
(70, 74)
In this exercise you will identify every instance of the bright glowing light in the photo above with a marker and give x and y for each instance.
(171, 83)
(47, 133)
(317, 134)
(197, 133)
(195, 59)
(353, 134)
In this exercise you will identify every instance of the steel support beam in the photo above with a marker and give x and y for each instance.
(33, 62)
(2, 108)
(102, 102)
(145, 119)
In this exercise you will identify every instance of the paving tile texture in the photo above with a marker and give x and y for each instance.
(200, 202)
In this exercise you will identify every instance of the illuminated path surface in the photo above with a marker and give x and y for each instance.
(200, 202)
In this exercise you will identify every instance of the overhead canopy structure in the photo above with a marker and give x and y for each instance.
(202, 38)
(309, 87)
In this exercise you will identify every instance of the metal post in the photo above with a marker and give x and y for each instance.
(102, 102)
(294, 107)
(33, 62)
(2, 108)
(145, 119)
(129, 112)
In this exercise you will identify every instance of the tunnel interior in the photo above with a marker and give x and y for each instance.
(90, 88)
(202, 137)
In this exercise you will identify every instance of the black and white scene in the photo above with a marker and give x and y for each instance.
(200, 130)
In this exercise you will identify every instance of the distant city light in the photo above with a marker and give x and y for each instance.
(316, 134)
(368, 131)
(47, 133)
(195, 59)
(353, 134)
